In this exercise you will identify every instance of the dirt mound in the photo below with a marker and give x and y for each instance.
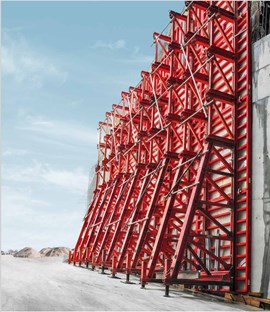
(54, 252)
(27, 252)
(43, 251)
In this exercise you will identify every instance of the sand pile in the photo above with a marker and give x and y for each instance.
(27, 252)
(54, 252)
(9, 252)
(43, 251)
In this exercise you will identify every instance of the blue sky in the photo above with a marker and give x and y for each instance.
(63, 65)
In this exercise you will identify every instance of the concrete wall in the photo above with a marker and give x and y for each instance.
(260, 274)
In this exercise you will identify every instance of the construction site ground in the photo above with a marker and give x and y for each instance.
(49, 284)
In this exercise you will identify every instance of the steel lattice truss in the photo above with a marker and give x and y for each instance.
(173, 175)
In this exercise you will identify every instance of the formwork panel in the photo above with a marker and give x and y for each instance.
(173, 173)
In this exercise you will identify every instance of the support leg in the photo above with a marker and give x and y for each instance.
(93, 262)
(166, 275)
(103, 262)
(113, 267)
(167, 291)
(143, 274)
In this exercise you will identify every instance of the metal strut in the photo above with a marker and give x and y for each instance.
(173, 187)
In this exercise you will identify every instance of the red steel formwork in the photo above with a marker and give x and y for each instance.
(173, 180)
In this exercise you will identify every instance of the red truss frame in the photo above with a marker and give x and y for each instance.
(173, 176)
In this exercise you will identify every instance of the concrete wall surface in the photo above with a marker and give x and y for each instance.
(260, 250)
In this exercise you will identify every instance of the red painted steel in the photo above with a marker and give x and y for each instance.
(174, 167)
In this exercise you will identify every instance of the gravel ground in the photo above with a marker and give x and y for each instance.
(48, 284)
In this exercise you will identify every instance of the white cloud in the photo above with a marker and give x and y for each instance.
(119, 44)
(14, 152)
(136, 57)
(73, 181)
(62, 131)
(20, 202)
(29, 221)
(26, 65)
(139, 59)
